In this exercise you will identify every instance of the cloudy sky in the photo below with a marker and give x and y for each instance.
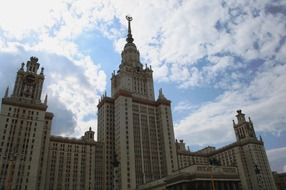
(210, 57)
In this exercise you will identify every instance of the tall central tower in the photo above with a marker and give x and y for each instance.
(134, 126)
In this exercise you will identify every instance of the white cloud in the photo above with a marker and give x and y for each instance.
(168, 33)
(20, 18)
(183, 106)
(277, 158)
(262, 100)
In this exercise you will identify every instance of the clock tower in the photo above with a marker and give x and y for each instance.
(29, 84)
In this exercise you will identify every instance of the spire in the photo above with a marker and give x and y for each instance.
(22, 66)
(249, 119)
(129, 38)
(6, 92)
(161, 95)
(46, 100)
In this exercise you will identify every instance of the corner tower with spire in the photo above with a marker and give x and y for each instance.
(135, 126)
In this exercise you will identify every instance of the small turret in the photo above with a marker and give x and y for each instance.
(33, 65)
(240, 117)
(249, 120)
(161, 95)
(22, 67)
(260, 138)
(42, 71)
(6, 92)
(46, 100)
(181, 146)
(89, 135)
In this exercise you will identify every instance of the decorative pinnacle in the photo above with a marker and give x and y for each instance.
(6, 92)
(129, 38)
(46, 100)
(34, 59)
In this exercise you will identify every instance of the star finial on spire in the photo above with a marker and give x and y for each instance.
(129, 38)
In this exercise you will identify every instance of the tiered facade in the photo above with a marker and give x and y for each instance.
(136, 147)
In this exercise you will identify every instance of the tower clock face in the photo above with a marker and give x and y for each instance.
(30, 79)
(29, 86)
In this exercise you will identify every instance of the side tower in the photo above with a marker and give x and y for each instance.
(243, 129)
(134, 126)
(251, 158)
(25, 130)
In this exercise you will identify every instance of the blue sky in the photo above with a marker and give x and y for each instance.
(210, 57)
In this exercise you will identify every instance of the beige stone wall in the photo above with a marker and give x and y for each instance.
(23, 130)
(166, 128)
(124, 141)
(105, 134)
(148, 153)
(186, 159)
(74, 164)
